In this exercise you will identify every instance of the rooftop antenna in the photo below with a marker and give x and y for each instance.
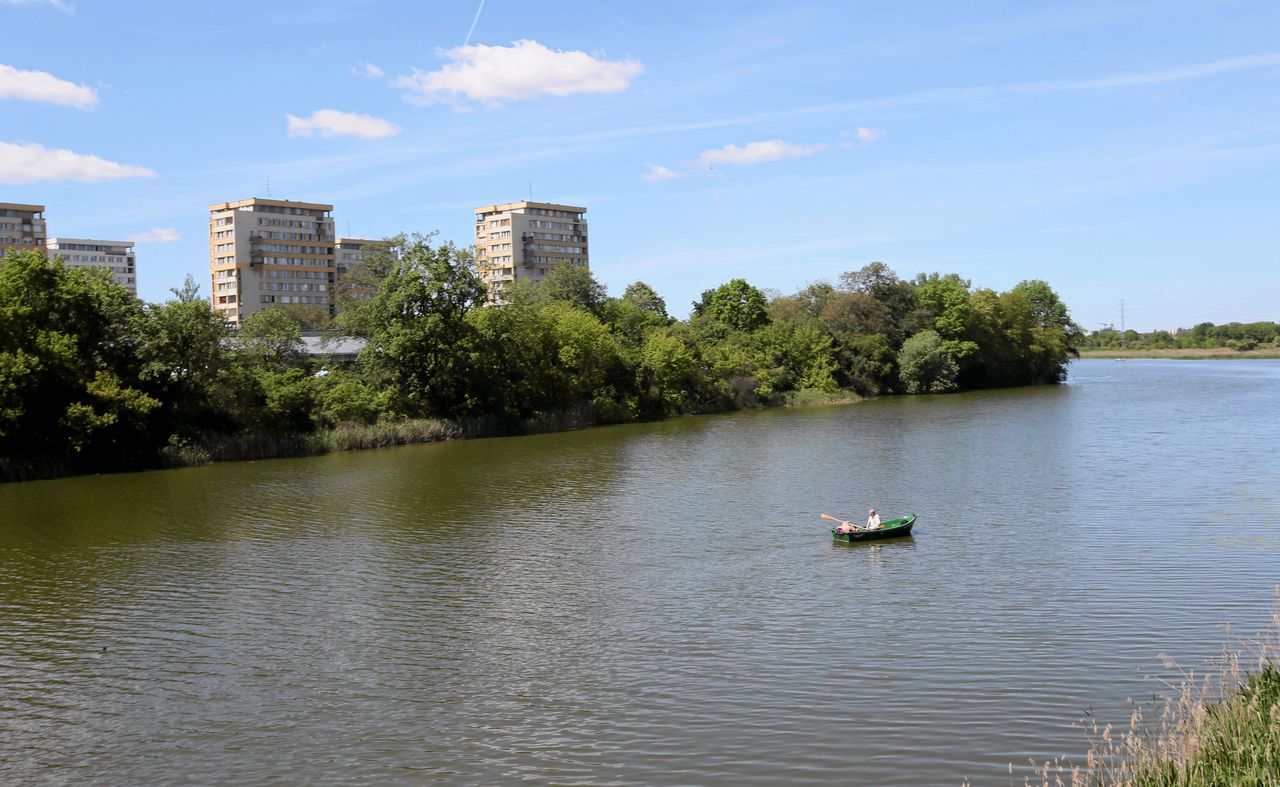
(348, 228)
(531, 189)
(268, 187)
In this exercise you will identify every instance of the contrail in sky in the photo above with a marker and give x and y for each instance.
(473, 23)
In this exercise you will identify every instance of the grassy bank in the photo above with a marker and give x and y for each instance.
(347, 437)
(1185, 353)
(819, 398)
(1217, 728)
(355, 437)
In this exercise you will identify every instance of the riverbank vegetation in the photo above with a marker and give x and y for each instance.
(94, 380)
(1217, 728)
(1245, 337)
(1185, 353)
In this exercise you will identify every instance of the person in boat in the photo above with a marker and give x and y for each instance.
(873, 520)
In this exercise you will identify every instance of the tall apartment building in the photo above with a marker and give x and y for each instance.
(270, 252)
(350, 254)
(116, 255)
(21, 227)
(524, 240)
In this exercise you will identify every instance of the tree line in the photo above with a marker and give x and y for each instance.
(1204, 336)
(93, 379)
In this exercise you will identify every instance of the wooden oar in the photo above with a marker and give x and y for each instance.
(842, 521)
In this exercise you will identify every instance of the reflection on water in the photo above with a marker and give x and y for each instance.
(647, 604)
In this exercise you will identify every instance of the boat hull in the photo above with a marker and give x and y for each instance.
(894, 528)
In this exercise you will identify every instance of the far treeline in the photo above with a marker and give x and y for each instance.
(92, 379)
(1243, 336)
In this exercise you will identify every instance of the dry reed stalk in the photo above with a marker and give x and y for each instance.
(1219, 728)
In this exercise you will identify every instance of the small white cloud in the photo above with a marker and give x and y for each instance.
(32, 162)
(658, 173)
(756, 152)
(519, 72)
(157, 235)
(369, 70)
(862, 136)
(58, 4)
(333, 123)
(43, 86)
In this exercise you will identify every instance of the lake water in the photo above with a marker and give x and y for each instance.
(649, 604)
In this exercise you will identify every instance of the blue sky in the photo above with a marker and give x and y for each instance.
(1119, 150)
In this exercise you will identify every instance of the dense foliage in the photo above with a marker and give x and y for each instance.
(92, 379)
(1205, 336)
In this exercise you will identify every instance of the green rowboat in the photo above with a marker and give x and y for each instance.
(891, 528)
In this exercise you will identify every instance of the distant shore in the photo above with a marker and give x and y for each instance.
(1184, 353)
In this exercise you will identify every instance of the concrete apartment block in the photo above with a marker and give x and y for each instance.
(115, 255)
(22, 227)
(270, 252)
(524, 240)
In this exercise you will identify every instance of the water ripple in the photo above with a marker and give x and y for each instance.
(649, 604)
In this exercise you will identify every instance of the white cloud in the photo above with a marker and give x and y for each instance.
(333, 123)
(364, 69)
(519, 72)
(43, 86)
(157, 235)
(868, 135)
(658, 173)
(861, 136)
(61, 5)
(33, 162)
(756, 152)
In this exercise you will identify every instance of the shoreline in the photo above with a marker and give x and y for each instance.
(254, 448)
(433, 430)
(219, 449)
(1185, 354)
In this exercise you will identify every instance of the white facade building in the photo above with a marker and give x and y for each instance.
(270, 252)
(115, 255)
(525, 240)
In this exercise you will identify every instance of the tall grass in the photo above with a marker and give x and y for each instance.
(814, 398)
(1221, 727)
(355, 436)
(352, 437)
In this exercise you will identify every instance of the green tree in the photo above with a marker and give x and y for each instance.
(643, 297)
(875, 279)
(420, 343)
(1050, 336)
(271, 338)
(344, 398)
(517, 377)
(736, 304)
(945, 299)
(181, 361)
(630, 321)
(586, 353)
(897, 297)
(670, 373)
(574, 284)
(267, 388)
(808, 304)
(857, 312)
(794, 357)
(867, 362)
(924, 365)
(70, 397)
(1024, 337)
